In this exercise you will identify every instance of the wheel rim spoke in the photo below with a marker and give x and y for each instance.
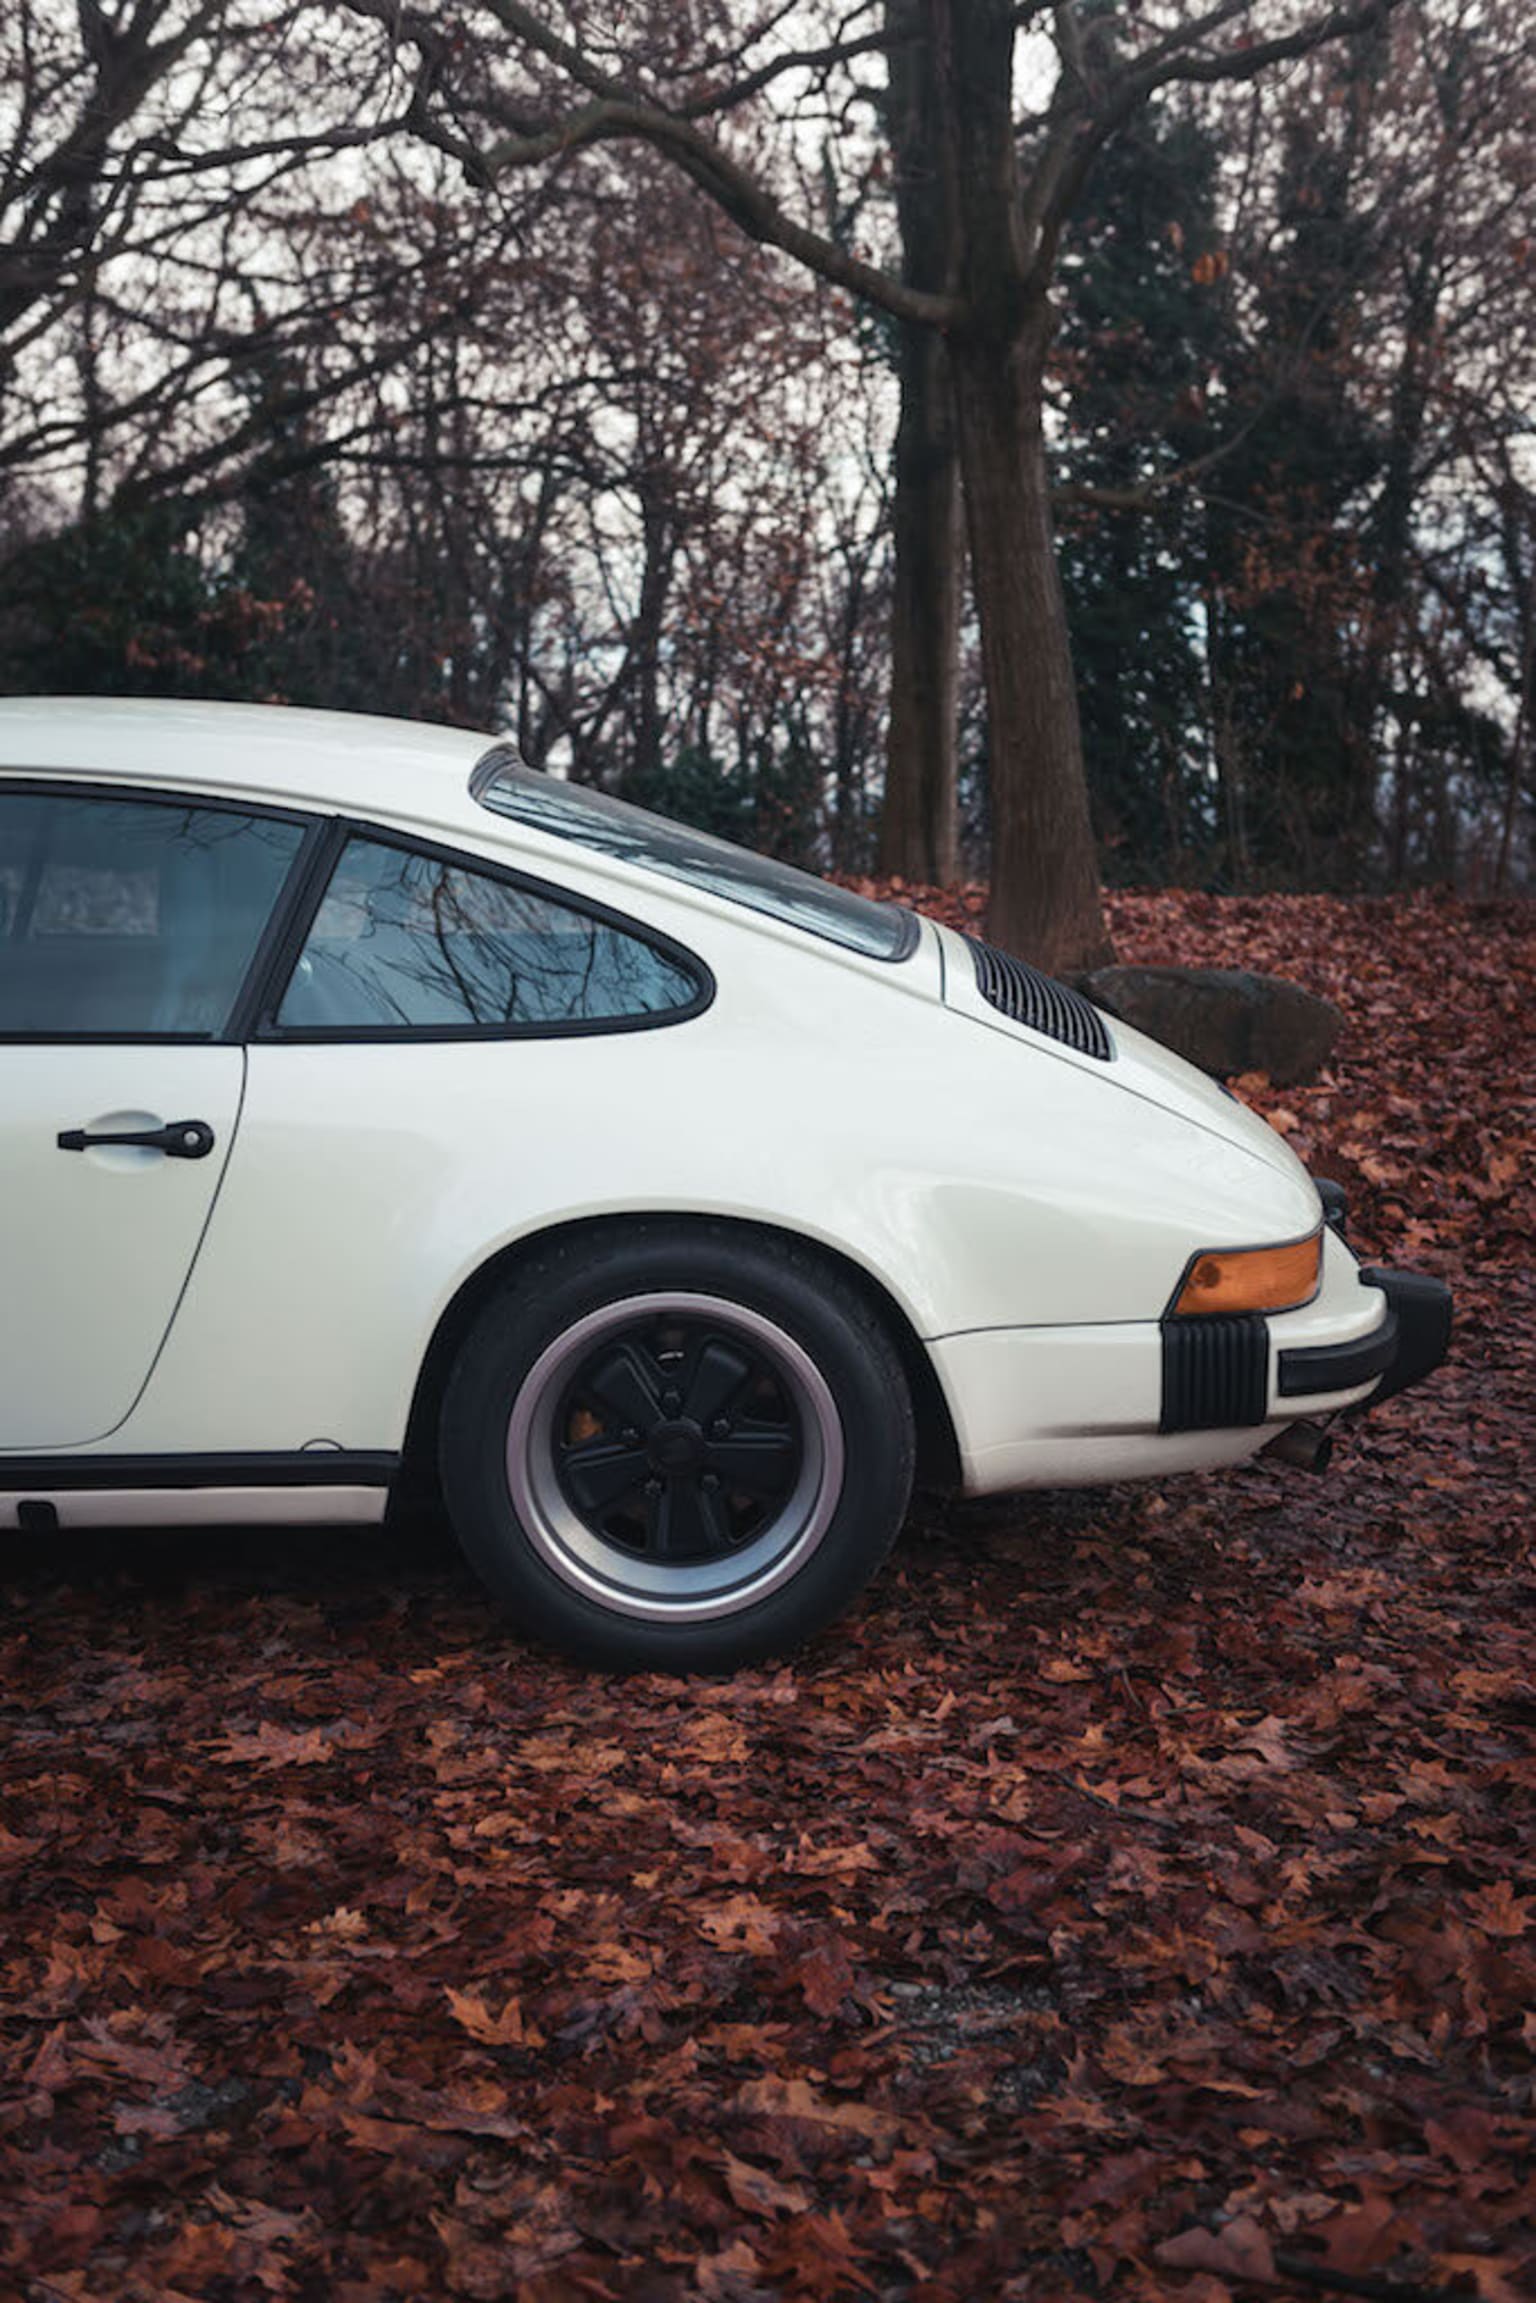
(719, 1373)
(717, 1526)
(659, 1520)
(685, 1520)
(672, 1520)
(758, 1463)
(602, 1473)
(628, 1384)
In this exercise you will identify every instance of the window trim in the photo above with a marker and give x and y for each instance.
(232, 1033)
(503, 755)
(265, 1030)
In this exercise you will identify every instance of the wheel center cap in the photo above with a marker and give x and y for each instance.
(676, 1447)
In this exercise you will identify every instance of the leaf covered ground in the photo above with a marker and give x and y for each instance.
(1133, 1900)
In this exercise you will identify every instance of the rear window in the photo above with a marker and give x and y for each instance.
(615, 828)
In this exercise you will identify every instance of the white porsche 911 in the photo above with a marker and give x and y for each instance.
(372, 1108)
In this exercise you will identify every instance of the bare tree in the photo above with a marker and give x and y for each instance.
(531, 86)
(163, 224)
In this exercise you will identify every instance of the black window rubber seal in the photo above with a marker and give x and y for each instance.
(309, 866)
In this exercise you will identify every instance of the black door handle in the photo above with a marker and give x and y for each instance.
(183, 1139)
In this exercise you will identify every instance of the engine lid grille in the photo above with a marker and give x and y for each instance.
(1022, 992)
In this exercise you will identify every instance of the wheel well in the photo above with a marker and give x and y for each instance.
(938, 1454)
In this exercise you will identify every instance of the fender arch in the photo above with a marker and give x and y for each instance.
(938, 1452)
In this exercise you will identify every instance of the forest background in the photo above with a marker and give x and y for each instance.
(621, 377)
(930, 438)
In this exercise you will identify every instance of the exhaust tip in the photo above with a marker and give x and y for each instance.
(1307, 1446)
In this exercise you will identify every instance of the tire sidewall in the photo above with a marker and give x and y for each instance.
(812, 1303)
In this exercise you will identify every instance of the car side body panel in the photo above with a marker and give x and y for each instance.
(1039, 1212)
(1029, 1208)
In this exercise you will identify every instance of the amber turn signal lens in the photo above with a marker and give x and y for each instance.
(1253, 1278)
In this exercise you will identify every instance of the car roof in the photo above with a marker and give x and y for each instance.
(354, 762)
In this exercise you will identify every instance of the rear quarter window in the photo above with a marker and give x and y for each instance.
(407, 940)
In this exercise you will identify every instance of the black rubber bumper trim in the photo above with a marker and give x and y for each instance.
(298, 1467)
(1338, 1366)
(1423, 1310)
(1410, 1343)
(1215, 1372)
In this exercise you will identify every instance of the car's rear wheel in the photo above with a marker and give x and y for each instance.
(682, 1449)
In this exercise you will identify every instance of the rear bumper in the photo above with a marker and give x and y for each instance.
(1227, 1373)
(1410, 1343)
(1074, 1406)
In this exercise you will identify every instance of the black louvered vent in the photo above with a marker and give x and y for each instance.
(1046, 1006)
(1215, 1372)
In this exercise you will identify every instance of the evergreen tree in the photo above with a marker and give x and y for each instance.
(1141, 334)
(126, 605)
(1290, 600)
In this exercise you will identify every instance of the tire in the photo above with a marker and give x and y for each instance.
(676, 1448)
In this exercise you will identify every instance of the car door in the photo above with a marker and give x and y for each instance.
(129, 926)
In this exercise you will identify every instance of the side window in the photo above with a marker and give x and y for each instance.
(405, 941)
(121, 917)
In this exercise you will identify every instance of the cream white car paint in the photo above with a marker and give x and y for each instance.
(1028, 1209)
(95, 1247)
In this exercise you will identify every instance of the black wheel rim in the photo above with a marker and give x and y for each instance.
(674, 1456)
(677, 1439)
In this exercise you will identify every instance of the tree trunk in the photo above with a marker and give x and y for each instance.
(644, 765)
(850, 739)
(1517, 747)
(918, 821)
(1045, 881)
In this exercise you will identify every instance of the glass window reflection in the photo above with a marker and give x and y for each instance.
(405, 941)
(761, 883)
(120, 917)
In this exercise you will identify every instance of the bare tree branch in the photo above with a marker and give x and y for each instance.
(740, 195)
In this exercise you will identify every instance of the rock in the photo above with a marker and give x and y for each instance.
(1225, 1020)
